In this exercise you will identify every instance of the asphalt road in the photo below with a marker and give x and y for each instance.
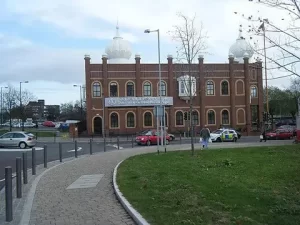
(8, 156)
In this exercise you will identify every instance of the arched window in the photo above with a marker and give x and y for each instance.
(210, 88)
(165, 120)
(224, 88)
(195, 118)
(211, 117)
(147, 89)
(163, 91)
(179, 118)
(96, 89)
(253, 91)
(148, 119)
(225, 117)
(130, 119)
(113, 89)
(130, 89)
(114, 120)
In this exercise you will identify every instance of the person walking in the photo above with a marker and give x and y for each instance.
(263, 135)
(205, 136)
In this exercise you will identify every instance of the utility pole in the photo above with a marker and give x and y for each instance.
(21, 107)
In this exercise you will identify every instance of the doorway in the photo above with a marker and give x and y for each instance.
(98, 125)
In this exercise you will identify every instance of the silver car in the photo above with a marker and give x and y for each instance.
(17, 139)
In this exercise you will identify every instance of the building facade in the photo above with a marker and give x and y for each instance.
(120, 97)
(39, 111)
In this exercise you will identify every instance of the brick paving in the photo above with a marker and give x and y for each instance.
(55, 205)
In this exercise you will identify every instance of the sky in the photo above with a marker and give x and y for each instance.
(44, 42)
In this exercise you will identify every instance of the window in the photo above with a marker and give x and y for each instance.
(148, 119)
(182, 88)
(130, 89)
(113, 89)
(179, 118)
(130, 119)
(225, 117)
(114, 120)
(211, 117)
(195, 118)
(18, 135)
(165, 120)
(147, 89)
(253, 92)
(163, 91)
(96, 89)
(210, 88)
(224, 88)
(8, 135)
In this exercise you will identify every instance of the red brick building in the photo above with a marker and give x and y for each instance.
(223, 94)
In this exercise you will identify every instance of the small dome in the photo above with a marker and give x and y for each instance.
(119, 50)
(241, 48)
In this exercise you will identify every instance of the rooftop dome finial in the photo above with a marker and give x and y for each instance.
(117, 29)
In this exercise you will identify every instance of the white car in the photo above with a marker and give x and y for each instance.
(223, 135)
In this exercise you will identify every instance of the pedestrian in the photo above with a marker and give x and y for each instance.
(204, 136)
(263, 135)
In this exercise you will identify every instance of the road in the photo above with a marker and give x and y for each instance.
(8, 156)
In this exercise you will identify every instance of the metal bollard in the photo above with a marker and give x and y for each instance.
(118, 142)
(8, 194)
(33, 161)
(91, 147)
(132, 141)
(60, 151)
(180, 138)
(76, 148)
(45, 156)
(25, 175)
(104, 144)
(19, 177)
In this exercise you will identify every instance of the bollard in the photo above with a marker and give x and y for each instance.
(118, 142)
(18, 177)
(25, 175)
(54, 137)
(132, 141)
(33, 160)
(180, 138)
(8, 194)
(60, 151)
(91, 147)
(76, 148)
(104, 144)
(45, 156)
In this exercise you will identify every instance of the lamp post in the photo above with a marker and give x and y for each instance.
(2, 105)
(160, 88)
(21, 108)
(80, 87)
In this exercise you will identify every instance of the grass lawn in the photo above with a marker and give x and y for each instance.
(258, 185)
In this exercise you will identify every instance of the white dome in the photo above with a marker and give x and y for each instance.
(241, 48)
(119, 50)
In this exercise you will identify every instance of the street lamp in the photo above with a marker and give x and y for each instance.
(2, 105)
(76, 85)
(147, 31)
(21, 109)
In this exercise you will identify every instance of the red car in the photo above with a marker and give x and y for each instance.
(48, 124)
(150, 138)
(279, 134)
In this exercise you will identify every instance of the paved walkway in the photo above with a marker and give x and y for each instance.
(54, 204)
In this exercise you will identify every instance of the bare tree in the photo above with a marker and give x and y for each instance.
(282, 41)
(192, 42)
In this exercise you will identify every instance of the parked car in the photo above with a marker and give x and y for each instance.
(48, 124)
(17, 139)
(30, 125)
(230, 128)
(150, 138)
(221, 135)
(279, 134)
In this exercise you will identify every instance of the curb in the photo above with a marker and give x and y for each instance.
(135, 215)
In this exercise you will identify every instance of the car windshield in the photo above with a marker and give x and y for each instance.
(217, 131)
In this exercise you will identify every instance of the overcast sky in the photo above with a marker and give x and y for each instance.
(45, 41)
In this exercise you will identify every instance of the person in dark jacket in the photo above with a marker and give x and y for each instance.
(263, 133)
(205, 136)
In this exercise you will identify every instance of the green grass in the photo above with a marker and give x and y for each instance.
(217, 187)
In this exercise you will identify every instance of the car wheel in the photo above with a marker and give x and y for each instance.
(172, 138)
(22, 145)
(219, 140)
(148, 143)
